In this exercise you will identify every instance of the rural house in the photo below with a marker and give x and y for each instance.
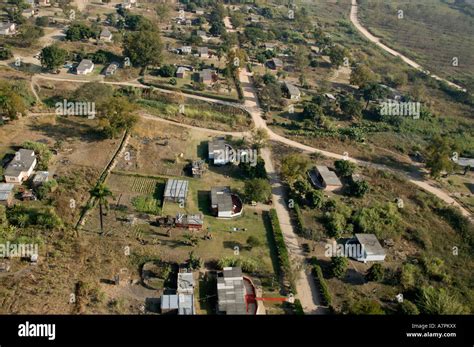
(371, 249)
(105, 35)
(203, 52)
(111, 69)
(275, 64)
(85, 67)
(206, 76)
(293, 92)
(224, 204)
(21, 167)
(323, 178)
(218, 150)
(233, 291)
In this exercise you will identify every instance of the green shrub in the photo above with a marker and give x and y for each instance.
(408, 308)
(321, 284)
(375, 273)
(338, 266)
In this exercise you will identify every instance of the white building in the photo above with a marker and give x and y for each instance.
(371, 248)
(7, 28)
(85, 67)
(21, 167)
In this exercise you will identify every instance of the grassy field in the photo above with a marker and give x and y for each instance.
(432, 32)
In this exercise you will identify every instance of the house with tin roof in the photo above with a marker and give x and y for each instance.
(224, 203)
(323, 178)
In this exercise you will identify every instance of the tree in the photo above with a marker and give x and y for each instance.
(335, 223)
(79, 31)
(312, 111)
(167, 71)
(337, 55)
(163, 11)
(361, 75)
(375, 273)
(381, 220)
(359, 188)
(344, 168)
(11, 103)
(101, 192)
(237, 19)
(351, 107)
(271, 94)
(293, 166)
(301, 58)
(42, 21)
(52, 57)
(117, 115)
(253, 171)
(5, 53)
(217, 29)
(259, 138)
(373, 91)
(144, 48)
(338, 266)
(315, 198)
(257, 189)
(438, 156)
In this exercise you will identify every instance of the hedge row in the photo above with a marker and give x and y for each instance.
(321, 283)
(298, 218)
(282, 251)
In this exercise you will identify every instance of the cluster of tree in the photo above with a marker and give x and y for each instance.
(22, 216)
(216, 18)
(11, 102)
(53, 57)
(337, 218)
(42, 151)
(116, 115)
(143, 47)
(79, 32)
(5, 53)
(257, 189)
(253, 171)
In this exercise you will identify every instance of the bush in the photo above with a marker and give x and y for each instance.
(167, 71)
(257, 189)
(438, 301)
(46, 188)
(253, 241)
(173, 81)
(338, 266)
(359, 188)
(42, 21)
(344, 168)
(321, 284)
(408, 308)
(375, 273)
(366, 306)
(299, 223)
(5, 53)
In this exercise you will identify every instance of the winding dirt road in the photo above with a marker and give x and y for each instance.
(355, 20)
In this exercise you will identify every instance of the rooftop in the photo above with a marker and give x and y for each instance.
(85, 64)
(231, 291)
(329, 177)
(292, 90)
(221, 198)
(176, 189)
(5, 190)
(370, 243)
(22, 161)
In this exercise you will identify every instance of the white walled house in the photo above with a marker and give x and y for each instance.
(85, 67)
(7, 28)
(21, 167)
(371, 249)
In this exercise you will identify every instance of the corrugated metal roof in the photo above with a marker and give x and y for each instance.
(176, 189)
(329, 177)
